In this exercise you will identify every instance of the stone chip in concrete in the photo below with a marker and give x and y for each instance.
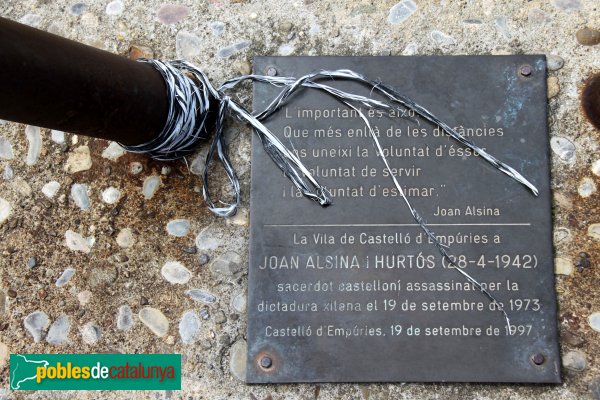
(155, 320)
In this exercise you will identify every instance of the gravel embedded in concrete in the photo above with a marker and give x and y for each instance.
(401, 11)
(188, 45)
(175, 272)
(170, 14)
(113, 151)
(36, 323)
(90, 333)
(563, 266)
(57, 137)
(111, 195)
(189, 327)
(237, 363)
(593, 230)
(136, 167)
(50, 189)
(77, 242)
(217, 27)
(228, 264)
(594, 321)
(232, 49)
(79, 194)
(178, 227)
(208, 239)
(5, 210)
(155, 320)
(442, 39)
(115, 7)
(151, 185)
(124, 318)
(59, 330)
(65, 277)
(79, 160)
(201, 296)
(35, 144)
(77, 9)
(238, 303)
(125, 238)
(574, 360)
(8, 173)
(555, 62)
(6, 150)
(587, 187)
(563, 148)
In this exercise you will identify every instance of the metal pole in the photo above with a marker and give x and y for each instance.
(590, 100)
(53, 82)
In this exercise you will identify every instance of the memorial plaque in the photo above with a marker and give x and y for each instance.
(355, 292)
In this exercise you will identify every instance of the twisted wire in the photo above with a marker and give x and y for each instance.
(189, 93)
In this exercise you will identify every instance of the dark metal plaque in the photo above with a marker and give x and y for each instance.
(354, 292)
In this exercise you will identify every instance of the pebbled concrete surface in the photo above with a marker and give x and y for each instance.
(131, 244)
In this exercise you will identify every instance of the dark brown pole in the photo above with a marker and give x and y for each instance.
(590, 100)
(53, 82)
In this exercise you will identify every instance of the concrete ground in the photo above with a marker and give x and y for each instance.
(69, 204)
